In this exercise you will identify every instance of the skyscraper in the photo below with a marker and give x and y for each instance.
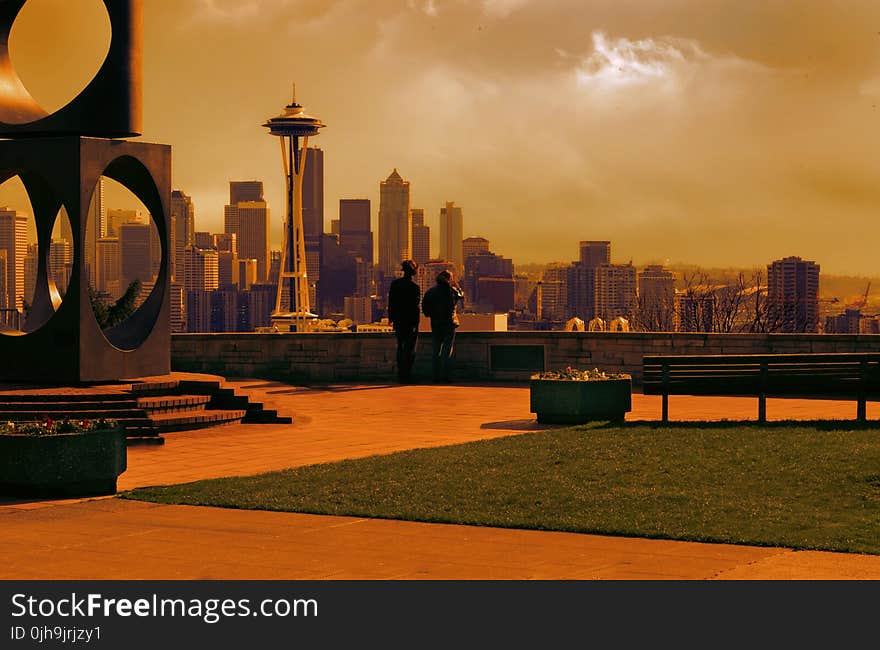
(249, 221)
(313, 193)
(421, 237)
(245, 191)
(473, 246)
(793, 293)
(201, 269)
(395, 224)
(451, 235)
(107, 266)
(355, 235)
(184, 213)
(595, 253)
(135, 254)
(13, 239)
(96, 227)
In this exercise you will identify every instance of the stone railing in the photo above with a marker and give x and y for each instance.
(480, 356)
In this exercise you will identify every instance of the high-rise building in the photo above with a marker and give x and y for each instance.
(485, 264)
(198, 311)
(135, 253)
(615, 291)
(30, 273)
(595, 253)
(13, 239)
(334, 227)
(581, 289)
(395, 224)
(247, 274)
(184, 214)
(202, 273)
(421, 237)
(793, 293)
(245, 192)
(313, 193)
(474, 246)
(227, 269)
(247, 217)
(496, 294)
(96, 228)
(4, 291)
(656, 299)
(359, 309)
(203, 239)
(60, 263)
(355, 235)
(338, 277)
(224, 241)
(115, 218)
(178, 307)
(451, 235)
(252, 236)
(554, 292)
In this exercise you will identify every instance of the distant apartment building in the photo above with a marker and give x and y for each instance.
(247, 274)
(553, 298)
(595, 253)
(656, 299)
(60, 263)
(615, 291)
(793, 292)
(313, 219)
(451, 235)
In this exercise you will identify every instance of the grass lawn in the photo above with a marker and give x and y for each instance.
(800, 485)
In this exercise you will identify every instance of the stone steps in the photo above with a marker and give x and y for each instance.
(144, 409)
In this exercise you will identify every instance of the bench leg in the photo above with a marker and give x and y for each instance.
(862, 410)
(762, 408)
(665, 407)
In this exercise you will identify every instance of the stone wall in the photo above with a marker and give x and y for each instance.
(480, 356)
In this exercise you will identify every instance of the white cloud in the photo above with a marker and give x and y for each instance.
(502, 8)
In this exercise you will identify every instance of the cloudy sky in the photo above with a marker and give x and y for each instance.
(715, 132)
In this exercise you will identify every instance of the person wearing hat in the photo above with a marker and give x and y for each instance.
(403, 312)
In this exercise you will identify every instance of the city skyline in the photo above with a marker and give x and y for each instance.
(657, 123)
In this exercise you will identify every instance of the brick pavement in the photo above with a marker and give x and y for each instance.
(113, 538)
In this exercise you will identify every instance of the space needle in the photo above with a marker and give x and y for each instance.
(290, 126)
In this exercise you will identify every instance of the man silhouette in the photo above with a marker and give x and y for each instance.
(439, 305)
(403, 312)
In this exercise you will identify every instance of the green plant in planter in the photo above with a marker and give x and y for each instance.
(61, 457)
(573, 396)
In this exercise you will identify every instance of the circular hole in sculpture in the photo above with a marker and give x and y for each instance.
(56, 48)
(18, 256)
(123, 254)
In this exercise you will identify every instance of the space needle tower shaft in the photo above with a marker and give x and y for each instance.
(293, 127)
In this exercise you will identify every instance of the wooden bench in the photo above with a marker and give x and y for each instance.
(816, 376)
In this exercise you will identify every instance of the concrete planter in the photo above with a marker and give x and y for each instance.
(62, 465)
(559, 401)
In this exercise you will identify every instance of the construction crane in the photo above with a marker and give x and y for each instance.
(860, 304)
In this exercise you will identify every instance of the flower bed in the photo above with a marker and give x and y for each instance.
(61, 458)
(573, 396)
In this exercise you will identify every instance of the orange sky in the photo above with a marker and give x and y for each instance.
(713, 132)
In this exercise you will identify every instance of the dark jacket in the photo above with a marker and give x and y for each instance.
(438, 304)
(403, 302)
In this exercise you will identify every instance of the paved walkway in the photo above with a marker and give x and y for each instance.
(114, 538)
